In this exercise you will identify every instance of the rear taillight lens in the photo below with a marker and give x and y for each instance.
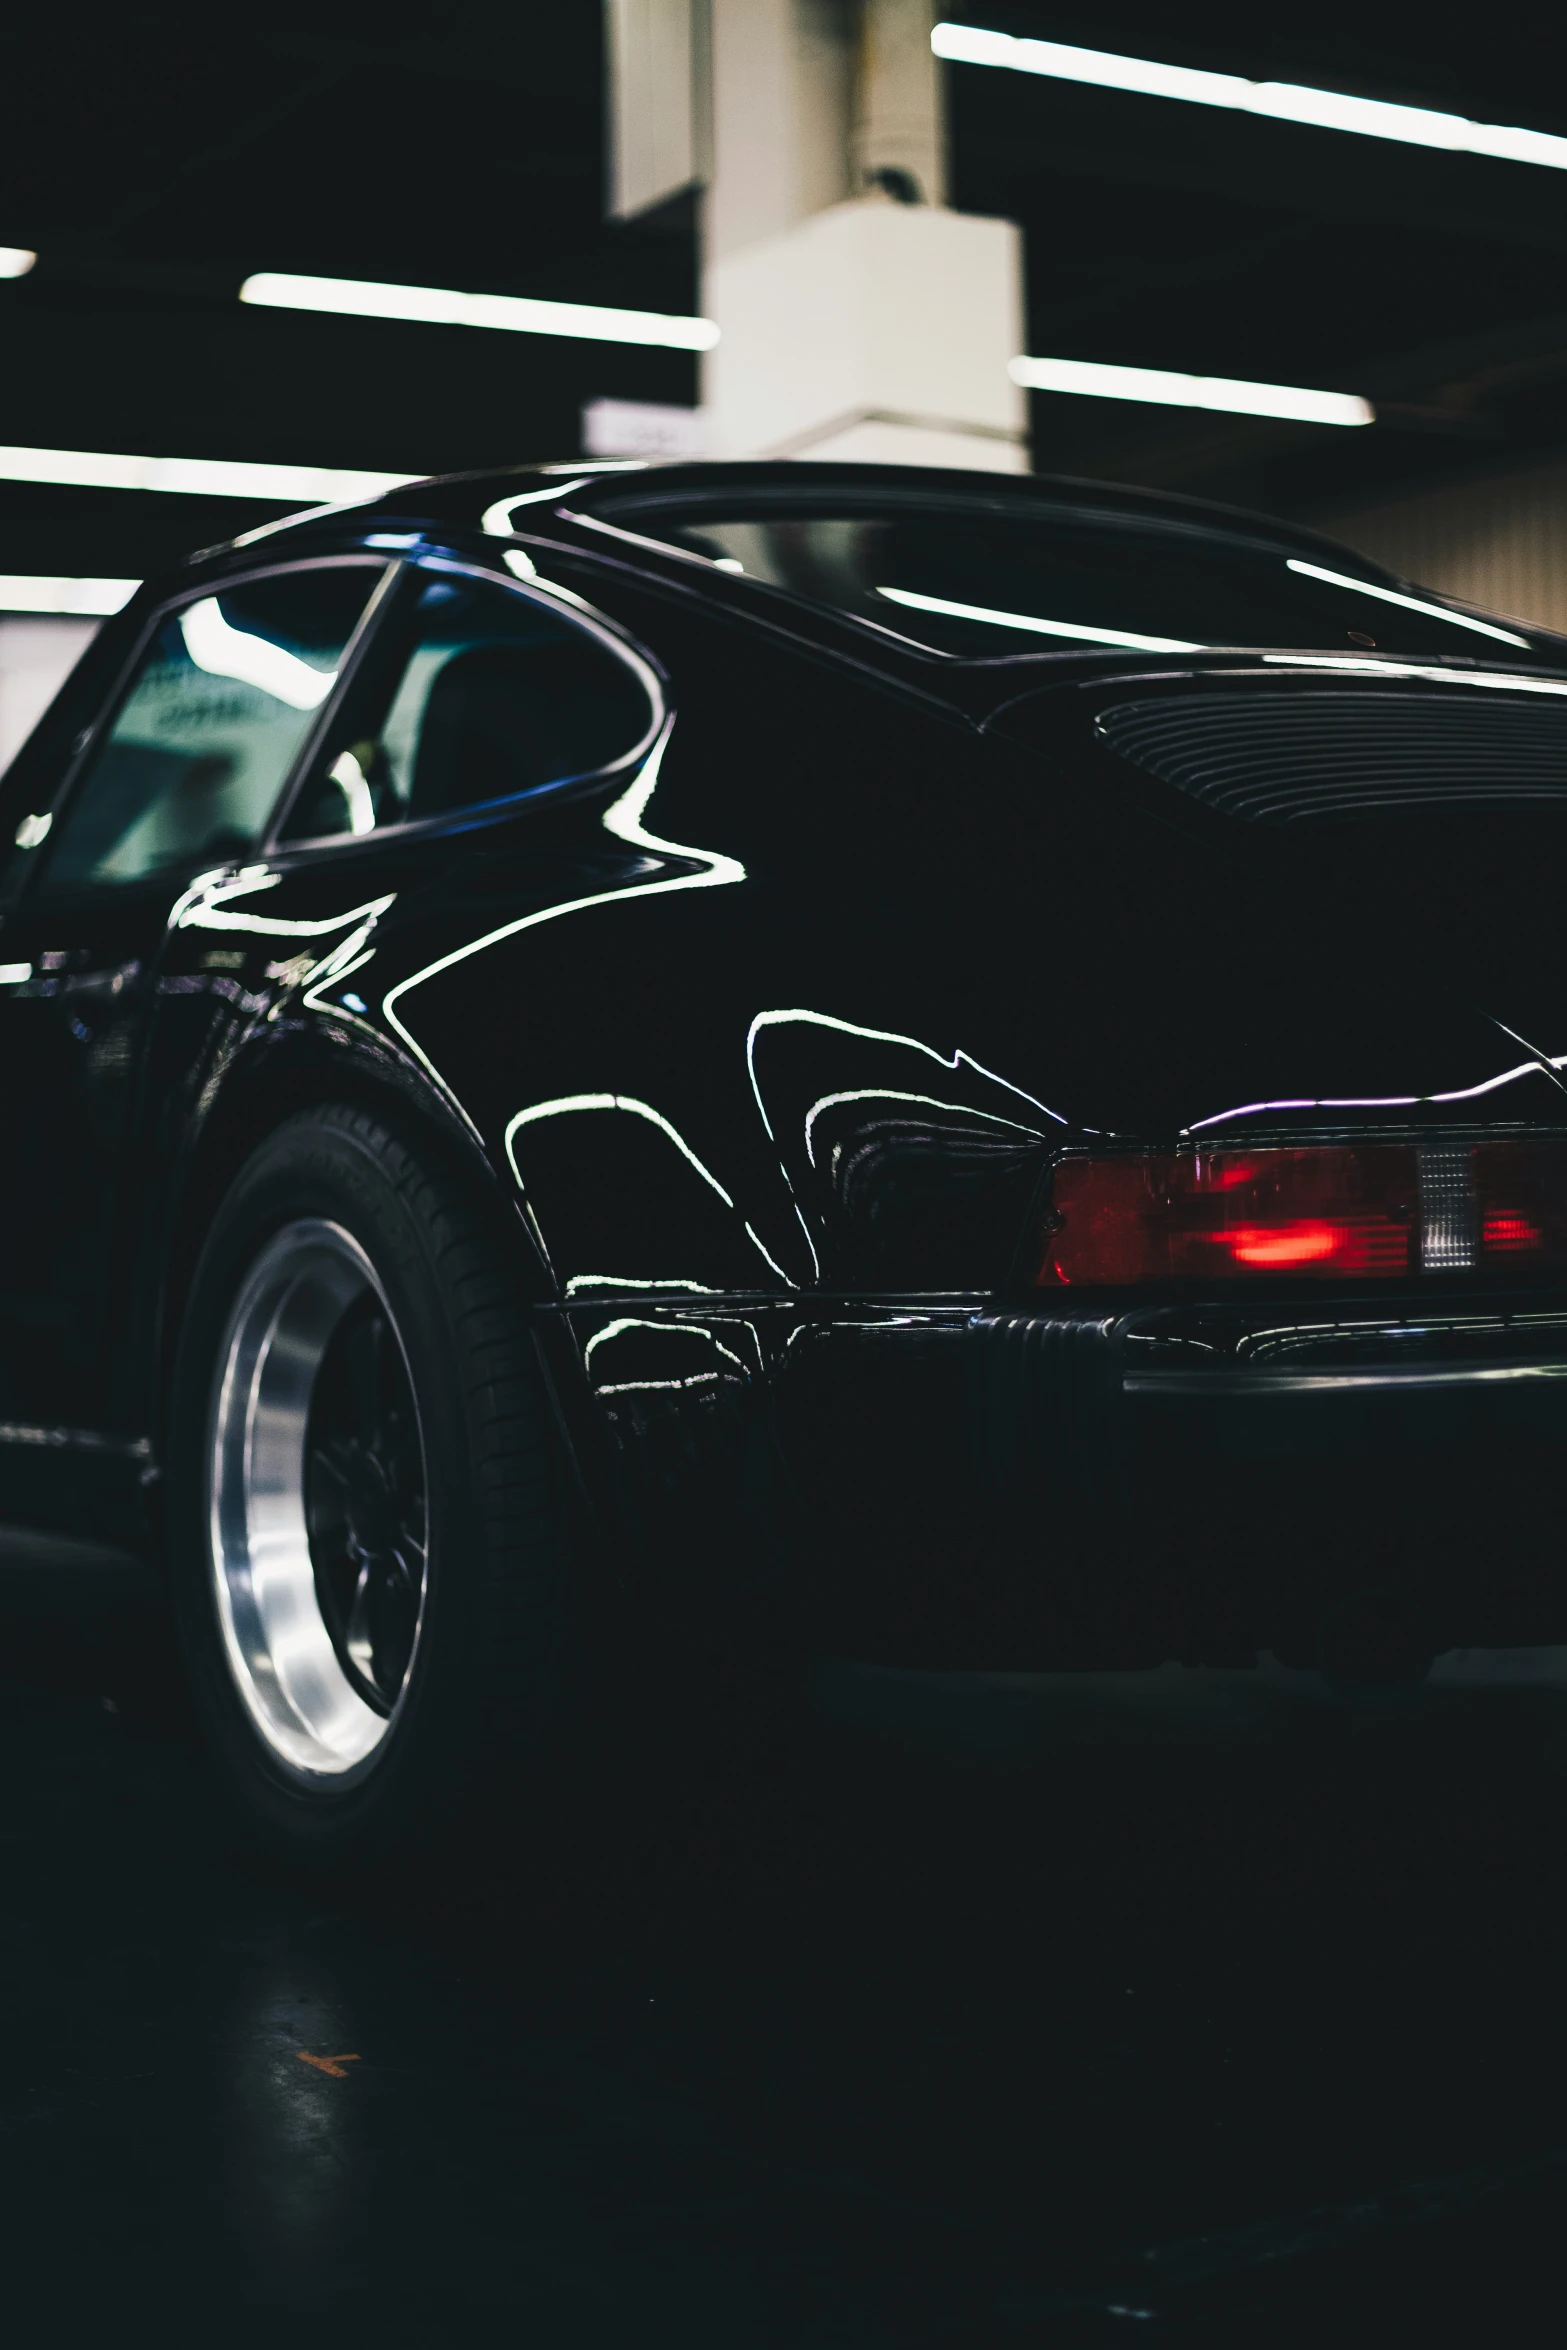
(1370, 1213)
(1520, 1201)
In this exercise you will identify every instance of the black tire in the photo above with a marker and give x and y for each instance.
(494, 1637)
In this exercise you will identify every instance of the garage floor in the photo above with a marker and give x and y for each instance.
(940, 2027)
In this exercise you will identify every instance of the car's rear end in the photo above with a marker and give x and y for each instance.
(1289, 1337)
(1262, 897)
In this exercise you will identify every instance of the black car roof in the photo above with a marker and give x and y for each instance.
(569, 505)
(624, 492)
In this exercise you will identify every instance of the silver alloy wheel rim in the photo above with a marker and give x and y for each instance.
(280, 1649)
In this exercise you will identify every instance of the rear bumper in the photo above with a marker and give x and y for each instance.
(1194, 1352)
(1353, 1487)
(1347, 1488)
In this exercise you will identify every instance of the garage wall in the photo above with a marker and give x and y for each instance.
(1500, 543)
(36, 656)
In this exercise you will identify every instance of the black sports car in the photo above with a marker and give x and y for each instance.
(972, 1065)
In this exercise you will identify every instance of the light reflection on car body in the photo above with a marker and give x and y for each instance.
(685, 1014)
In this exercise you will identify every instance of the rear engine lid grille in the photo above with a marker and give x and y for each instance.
(1275, 759)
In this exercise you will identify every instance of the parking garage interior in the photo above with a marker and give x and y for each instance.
(931, 2007)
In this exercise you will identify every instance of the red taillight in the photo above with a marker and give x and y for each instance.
(1520, 1193)
(1287, 1244)
(1511, 1235)
(1330, 1211)
(1219, 1214)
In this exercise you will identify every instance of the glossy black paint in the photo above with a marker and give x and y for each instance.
(763, 1043)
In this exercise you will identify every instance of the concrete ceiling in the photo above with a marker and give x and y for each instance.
(157, 157)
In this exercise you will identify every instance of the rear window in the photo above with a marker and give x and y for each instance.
(983, 584)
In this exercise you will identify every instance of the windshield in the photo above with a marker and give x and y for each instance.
(987, 585)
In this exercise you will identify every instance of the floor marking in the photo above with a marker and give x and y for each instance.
(326, 2064)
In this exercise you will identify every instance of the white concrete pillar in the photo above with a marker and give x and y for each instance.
(852, 325)
(873, 330)
(900, 114)
(783, 90)
(37, 655)
(858, 317)
(659, 106)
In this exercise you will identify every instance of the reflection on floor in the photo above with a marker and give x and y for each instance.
(944, 2021)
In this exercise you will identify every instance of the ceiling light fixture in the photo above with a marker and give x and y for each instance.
(517, 314)
(1372, 118)
(26, 592)
(15, 260)
(1165, 389)
(198, 477)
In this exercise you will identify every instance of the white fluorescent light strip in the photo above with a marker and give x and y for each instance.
(15, 260)
(1093, 636)
(514, 314)
(1372, 118)
(198, 477)
(22, 591)
(1363, 587)
(1163, 388)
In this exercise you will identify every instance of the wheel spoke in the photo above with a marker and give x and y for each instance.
(366, 1506)
(383, 1624)
(326, 1491)
(364, 1360)
(356, 1626)
(325, 1460)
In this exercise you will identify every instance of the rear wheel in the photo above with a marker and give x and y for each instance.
(369, 1553)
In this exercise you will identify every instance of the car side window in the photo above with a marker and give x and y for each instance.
(224, 695)
(473, 692)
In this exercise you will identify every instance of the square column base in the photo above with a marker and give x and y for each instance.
(875, 332)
